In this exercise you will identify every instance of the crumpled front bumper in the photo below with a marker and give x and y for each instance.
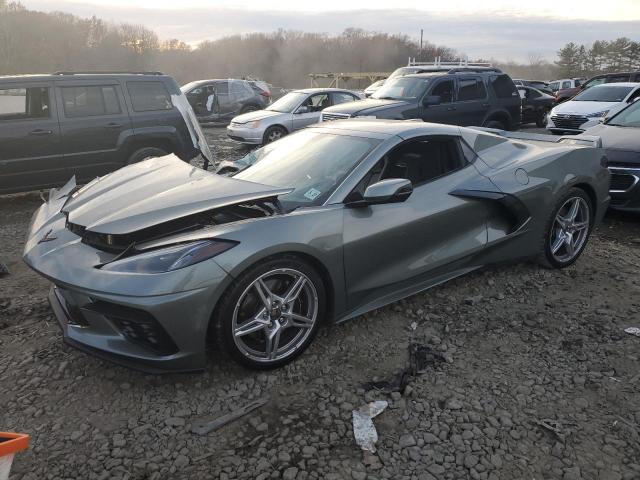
(151, 322)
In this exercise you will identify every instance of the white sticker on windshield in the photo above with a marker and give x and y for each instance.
(312, 194)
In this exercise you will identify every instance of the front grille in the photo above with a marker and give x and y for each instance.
(570, 122)
(621, 181)
(137, 326)
(334, 116)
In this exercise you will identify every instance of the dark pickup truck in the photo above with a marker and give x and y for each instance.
(87, 124)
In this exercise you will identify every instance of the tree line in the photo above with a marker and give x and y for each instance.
(622, 54)
(38, 42)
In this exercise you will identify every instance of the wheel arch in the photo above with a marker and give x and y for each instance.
(314, 261)
(499, 115)
(591, 193)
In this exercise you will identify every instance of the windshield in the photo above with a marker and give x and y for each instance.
(604, 93)
(402, 88)
(189, 86)
(402, 71)
(629, 117)
(287, 103)
(312, 163)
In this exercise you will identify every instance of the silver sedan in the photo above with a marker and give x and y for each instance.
(294, 111)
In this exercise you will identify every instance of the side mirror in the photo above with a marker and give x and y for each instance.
(391, 190)
(302, 109)
(431, 100)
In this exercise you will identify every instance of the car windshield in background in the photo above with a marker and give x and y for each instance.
(401, 72)
(312, 163)
(403, 88)
(629, 117)
(604, 93)
(287, 103)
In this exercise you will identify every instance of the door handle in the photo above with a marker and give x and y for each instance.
(39, 131)
(113, 125)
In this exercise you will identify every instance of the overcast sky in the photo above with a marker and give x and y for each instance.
(505, 30)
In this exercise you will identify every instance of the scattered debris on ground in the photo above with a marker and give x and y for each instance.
(364, 431)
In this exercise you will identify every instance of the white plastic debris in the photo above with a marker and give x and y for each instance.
(633, 331)
(363, 428)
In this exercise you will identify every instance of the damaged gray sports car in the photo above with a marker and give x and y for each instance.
(154, 262)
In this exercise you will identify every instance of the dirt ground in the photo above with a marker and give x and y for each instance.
(533, 377)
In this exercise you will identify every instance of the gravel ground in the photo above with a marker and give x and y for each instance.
(533, 378)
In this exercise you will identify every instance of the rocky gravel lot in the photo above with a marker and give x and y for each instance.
(536, 380)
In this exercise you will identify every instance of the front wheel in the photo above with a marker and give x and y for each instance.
(273, 133)
(543, 118)
(567, 230)
(271, 314)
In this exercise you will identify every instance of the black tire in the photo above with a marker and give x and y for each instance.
(495, 124)
(240, 288)
(546, 257)
(248, 108)
(541, 121)
(271, 134)
(144, 153)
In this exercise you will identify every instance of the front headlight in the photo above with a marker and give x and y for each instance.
(365, 116)
(597, 114)
(172, 258)
(254, 124)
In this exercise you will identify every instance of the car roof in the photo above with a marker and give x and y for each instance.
(378, 127)
(618, 84)
(317, 90)
(71, 76)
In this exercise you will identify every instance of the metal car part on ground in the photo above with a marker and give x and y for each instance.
(153, 262)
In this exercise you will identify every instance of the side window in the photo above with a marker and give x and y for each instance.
(222, 88)
(89, 101)
(24, 103)
(618, 79)
(471, 89)
(503, 86)
(595, 81)
(445, 90)
(424, 160)
(342, 97)
(634, 96)
(533, 93)
(554, 86)
(577, 83)
(149, 96)
(566, 84)
(318, 102)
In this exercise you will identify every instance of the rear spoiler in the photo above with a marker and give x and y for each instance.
(582, 140)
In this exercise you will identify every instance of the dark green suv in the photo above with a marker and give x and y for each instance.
(87, 124)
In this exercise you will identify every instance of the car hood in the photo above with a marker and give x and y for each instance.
(617, 138)
(583, 108)
(155, 191)
(257, 115)
(361, 106)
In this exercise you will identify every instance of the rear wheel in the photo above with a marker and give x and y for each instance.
(567, 230)
(271, 314)
(145, 153)
(273, 133)
(248, 108)
(495, 124)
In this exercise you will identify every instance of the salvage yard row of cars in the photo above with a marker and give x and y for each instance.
(155, 262)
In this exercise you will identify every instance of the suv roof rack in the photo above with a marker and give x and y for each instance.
(439, 63)
(106, 72)
(475, 70)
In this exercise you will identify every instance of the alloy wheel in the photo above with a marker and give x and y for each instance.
(570, 230)
(274, 135)
(275, 315)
